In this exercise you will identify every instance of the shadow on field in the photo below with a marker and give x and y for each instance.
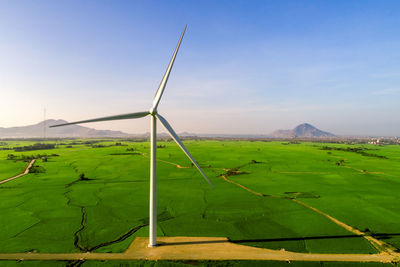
(191, 242)
(260, 240)
(379, 236)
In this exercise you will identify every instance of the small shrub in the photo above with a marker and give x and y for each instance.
(82, 177)
(37, 169)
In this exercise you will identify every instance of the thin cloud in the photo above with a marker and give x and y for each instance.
(389, 91)
(386, 75)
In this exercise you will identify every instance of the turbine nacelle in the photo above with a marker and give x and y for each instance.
(152, 112)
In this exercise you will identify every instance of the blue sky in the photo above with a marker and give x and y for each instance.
(244, 66)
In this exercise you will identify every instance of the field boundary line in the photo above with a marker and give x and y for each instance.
(168, 162)
(26, 171)
(362, 171)
(242, 186)
(305, 172)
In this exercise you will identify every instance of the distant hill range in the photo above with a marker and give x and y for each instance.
(75, 131)
(304, 130)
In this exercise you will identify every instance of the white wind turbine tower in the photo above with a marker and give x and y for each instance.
(153, 137)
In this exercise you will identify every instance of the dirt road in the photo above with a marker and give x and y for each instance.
(26, 171)
(380, 246)
(200, 248)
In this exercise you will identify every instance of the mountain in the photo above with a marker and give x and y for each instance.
(304, 130)
(75, 131)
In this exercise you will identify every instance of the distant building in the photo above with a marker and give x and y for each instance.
(374, 141)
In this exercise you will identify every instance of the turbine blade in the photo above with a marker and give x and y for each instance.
(164, 80)
(135, 115)
(174, 136)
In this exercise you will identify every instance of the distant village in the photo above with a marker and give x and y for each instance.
(384, 141)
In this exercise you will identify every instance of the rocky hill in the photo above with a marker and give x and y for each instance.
(304, 130)
(75, 131)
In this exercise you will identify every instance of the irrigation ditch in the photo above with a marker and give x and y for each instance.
(163, 216)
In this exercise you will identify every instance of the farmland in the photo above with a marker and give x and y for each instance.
(92, 196)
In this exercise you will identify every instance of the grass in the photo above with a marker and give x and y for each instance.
(56, 211)
(10, 168)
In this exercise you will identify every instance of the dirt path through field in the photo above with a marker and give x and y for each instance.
(381, 246)
(241, 186)
(168, 162)
(26, 171)
(305, 172)
(200, 248)
(362, 171)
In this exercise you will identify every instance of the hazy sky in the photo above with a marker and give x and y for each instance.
(243, 67)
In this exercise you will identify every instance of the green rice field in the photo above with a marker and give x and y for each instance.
(93, 196)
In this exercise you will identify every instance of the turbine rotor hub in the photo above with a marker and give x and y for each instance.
(153, 112)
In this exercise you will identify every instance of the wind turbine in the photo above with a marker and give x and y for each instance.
(153, 139)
